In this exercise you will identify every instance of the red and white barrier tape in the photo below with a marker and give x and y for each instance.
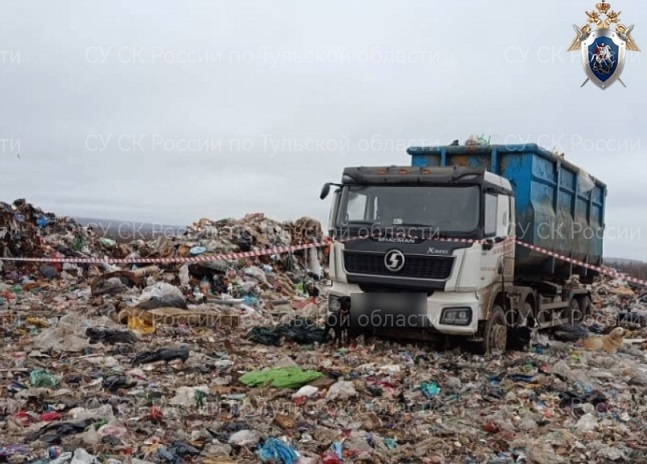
(286, 249)
(194, 259)
(601, 269)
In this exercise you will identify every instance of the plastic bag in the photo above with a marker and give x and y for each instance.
(314, 265)
(274, 450)
(185, 278)
(43, 378)
(256, 272)
(306, 391)
(186, 396)
(587, 423)
(430, 389)
(477, 140)
(342, 390)
(83, 457)
(107, 242)
(585, 181)
(113, 429)
(160, 290)
(245, 438)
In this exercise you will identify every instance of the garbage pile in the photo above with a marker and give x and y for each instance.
(29, 231)
(228, 361)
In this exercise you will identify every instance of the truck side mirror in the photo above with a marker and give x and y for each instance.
(325, 191)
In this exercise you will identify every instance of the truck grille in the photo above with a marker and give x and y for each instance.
(416, 267)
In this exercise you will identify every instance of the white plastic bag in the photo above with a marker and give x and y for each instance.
(160, 290)
(585, 181)
(185, 278)
(342, 390)
(314, 265)
(245, 438)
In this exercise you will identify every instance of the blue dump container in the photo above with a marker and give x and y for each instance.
(559, 207)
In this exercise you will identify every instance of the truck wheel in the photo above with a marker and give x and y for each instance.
(495, 333)
(575, 314)
(586, 307)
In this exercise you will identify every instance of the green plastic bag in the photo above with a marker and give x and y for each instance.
(430, 389)
(43, 378)
(285, 377)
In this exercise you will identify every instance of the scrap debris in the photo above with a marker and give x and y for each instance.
(228, 362)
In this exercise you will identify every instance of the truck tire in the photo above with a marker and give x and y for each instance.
(574, 312)
(494, 334)
(586, 307)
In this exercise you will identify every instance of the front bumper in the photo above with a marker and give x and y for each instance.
(464, 306)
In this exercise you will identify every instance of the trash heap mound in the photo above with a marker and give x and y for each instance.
(29, 231)
(226, 361)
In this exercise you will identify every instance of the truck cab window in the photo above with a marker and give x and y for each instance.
(489, 226)
(356, 207)
(448, 210)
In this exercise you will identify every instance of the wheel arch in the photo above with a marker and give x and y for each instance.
(493, 295)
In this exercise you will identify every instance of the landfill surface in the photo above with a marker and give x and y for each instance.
(227, 361)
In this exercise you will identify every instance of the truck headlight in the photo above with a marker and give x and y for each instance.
(456, 316)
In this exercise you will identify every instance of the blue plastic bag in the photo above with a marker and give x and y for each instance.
(275, 450)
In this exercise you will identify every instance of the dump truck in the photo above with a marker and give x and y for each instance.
(469, 243)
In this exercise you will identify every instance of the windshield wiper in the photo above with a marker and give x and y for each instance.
(401, 229)
(430, 226)
(351, 223)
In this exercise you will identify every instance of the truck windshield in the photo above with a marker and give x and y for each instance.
(451, 209)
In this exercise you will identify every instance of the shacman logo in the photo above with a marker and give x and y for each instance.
(394, 260)
(603, 49)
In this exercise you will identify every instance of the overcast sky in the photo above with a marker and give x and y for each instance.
(170, 111)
